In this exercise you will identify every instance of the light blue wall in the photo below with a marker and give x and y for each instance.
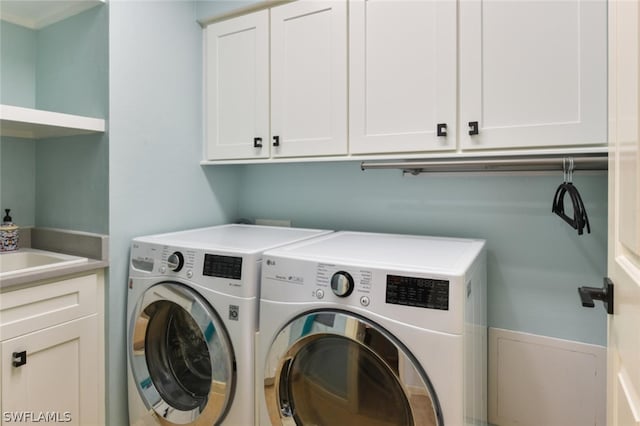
(72, 77)
(72, 183)
(155, 137)
(17, 87)
(535, 261)
(61, 182)
(18, 179)
(17, 65)
(72, 65)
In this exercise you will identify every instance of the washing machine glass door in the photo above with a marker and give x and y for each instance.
(181, 356)
(336, 368)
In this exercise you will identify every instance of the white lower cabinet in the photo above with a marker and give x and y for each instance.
(58, 378)
(53, 372)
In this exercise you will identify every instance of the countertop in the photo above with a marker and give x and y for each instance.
(95, 247)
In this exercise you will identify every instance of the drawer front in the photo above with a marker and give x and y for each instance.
(47, 304)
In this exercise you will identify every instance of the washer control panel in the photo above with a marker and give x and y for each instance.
(233, 273)
(178, 260)
(343, 283)
(163, 259)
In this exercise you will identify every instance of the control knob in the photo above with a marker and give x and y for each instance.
(342, 284)
(175, 261)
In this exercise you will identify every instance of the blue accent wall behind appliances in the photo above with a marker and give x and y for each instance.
(535, 261)
(155, 138)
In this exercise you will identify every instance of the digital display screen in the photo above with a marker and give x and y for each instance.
(418, 292)
(222, 266)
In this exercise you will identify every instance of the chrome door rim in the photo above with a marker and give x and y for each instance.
(221, 391)
(288, 343)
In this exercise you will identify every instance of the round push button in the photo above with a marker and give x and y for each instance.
(364, 301)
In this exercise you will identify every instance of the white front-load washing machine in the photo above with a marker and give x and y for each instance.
(192, 315)
(373, 329)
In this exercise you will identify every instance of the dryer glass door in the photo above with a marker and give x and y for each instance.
(181, 356)
(335, 368)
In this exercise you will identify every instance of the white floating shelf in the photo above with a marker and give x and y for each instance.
(38, 14)
(37, 124)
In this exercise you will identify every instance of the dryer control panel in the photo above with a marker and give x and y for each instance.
(418, 292)
(419, 298)
(343, 282)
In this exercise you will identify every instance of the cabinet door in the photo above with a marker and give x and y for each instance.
(60, 377)
(309, 78)
(533, 73)
(402, 75)
(237, 87)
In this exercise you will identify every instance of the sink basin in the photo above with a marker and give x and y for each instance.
(32, 260)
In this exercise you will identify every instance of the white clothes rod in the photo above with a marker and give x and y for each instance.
(599, 162)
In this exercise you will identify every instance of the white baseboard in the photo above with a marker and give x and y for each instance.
(537, 380)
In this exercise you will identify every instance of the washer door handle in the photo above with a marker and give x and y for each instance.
(286, 409)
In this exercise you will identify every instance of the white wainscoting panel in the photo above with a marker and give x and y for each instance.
(538, 380)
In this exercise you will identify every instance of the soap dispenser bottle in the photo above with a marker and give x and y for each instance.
(8, 233)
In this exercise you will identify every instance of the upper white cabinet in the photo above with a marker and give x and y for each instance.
(237, 87)
(402, 76)
(309, 78)
(532, 73)
(423, 78)
(284, 99)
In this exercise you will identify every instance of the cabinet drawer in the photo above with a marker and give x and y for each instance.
(34, 308)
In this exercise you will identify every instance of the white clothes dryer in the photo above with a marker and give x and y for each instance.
(373, 329)
(192, 315)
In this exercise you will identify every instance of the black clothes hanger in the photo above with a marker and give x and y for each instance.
(580, 219)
